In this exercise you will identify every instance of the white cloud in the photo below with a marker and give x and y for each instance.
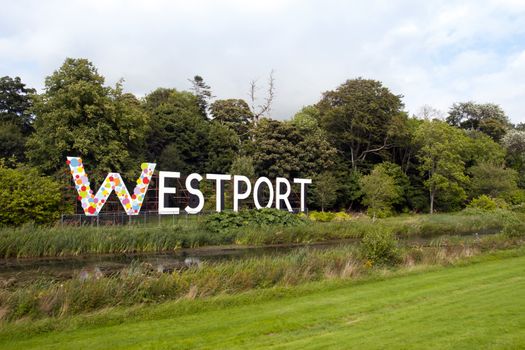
(433, 52)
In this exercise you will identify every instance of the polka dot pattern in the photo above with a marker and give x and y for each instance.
(92, 204)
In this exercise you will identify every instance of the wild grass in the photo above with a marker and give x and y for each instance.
(406, 226)
(37, 241)
(140, 284)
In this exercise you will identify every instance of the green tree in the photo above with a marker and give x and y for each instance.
(28, 197)
(235, 114)
(223, 146)
(157, 97)
(349, 191)
(307, 122)
(78, 115)
(181, 139)
(15, 117)
(401, 134)
(492, 179)
(324, 190)
(357, 117)
(441, 160)
(307, 119)
(12, 141)
(487, 117)
(481, 148)
(281, 149)
(514, 143)
(243, 165)
(178, 137)
(380, 191)
(401, 182)
(16, 101)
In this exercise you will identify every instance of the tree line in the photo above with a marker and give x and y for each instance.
(360, 146)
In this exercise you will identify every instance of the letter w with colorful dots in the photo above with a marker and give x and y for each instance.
(92, 204)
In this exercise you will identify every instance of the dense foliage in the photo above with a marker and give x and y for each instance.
(230, 220)
(357, 142)
(26, 196)
(15, 117)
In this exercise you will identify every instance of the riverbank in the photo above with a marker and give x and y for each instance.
(139, 283)
(33, 241)
(473, 302)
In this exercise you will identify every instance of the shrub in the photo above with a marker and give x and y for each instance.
(342, 216)
(516, 197)
(379, 247)
(322, 216)
(483, 202)
(325, 216)
(230, 220)
(488, 203)
(27, 196)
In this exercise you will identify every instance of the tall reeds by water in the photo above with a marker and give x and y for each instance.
(37, 241)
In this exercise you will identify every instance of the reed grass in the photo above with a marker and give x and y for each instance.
(37, 241)
(34, 241)
(408, 226)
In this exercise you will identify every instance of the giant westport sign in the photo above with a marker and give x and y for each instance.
(242, 189)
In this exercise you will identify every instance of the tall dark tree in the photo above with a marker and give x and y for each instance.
(15, 117)
(203, 93)
(15, 103)
(357, 116)
(401, 134)
(12, 143)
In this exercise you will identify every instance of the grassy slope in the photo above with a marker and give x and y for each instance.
(472, 306)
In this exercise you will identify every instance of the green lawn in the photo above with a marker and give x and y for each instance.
(473, 306)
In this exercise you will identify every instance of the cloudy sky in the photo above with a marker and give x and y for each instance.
(432, 52)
